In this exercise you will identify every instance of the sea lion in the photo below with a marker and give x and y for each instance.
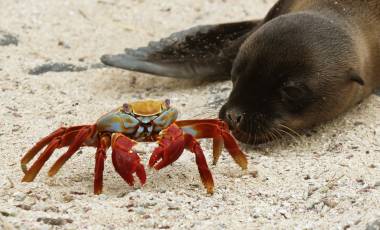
(305, 63)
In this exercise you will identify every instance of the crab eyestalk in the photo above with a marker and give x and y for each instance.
(167, 103)
(126, 108)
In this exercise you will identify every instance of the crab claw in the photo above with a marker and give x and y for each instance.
(125, 160)
(172, 143)
(171, 146)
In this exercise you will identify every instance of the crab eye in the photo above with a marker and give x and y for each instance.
(167, 103)
(126, 108)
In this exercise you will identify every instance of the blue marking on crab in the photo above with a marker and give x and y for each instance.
(130, 122)
(165, 119)
(146, 120)
(117, 122)
(139, 131)
(189, 130)
(150, 129)
(115, 126)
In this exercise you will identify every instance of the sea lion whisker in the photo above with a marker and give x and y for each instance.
(272, 136)
(278, 132)
(291, 130)
(267, 139)
(289, 134)
(275, 133)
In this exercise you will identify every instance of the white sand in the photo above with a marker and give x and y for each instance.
(330, 179)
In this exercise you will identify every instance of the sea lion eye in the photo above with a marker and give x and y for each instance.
(293, 92)
(296, 97)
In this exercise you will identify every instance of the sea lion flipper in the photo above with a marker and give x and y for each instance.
(202, 52)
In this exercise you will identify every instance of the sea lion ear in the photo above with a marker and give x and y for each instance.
(353, 76)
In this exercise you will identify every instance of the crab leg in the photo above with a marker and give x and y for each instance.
(100, 157)
(56, 141)
(36, 167)
(80, 138)
(193, 145)
(125, 160)
(45, 141)
(217, 130)
(217, 140)
(217, 146)
(171, 145)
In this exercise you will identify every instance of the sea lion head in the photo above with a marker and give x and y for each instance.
(296, 71)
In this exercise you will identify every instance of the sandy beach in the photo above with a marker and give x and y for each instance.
(327, 178)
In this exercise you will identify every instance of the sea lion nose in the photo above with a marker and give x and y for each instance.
(235, 117)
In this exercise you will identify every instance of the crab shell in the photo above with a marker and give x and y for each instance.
(138, 120)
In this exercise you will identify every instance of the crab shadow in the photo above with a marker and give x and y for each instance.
(77, 177)
(177, 177)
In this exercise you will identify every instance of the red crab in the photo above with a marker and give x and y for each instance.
(122, 128)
